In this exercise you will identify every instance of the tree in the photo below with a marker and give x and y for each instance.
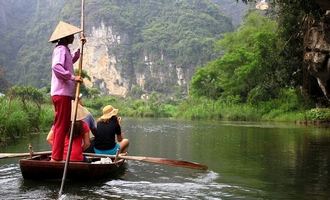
(3, 82)
(26, 95)
(250, 62)
(205, 81)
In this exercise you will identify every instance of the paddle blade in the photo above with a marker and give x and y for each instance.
(13, 155)
(17, 155)
(162, 161)
(170, 162)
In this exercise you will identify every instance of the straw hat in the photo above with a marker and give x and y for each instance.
(62, 30)
(82, 112)
(108, 112)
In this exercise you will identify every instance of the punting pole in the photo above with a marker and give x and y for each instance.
(75, 103)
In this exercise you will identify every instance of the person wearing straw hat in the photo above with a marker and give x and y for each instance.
(63, 83)
(108, 129)
(81, 138)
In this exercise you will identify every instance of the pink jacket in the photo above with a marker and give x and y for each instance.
(63, 83)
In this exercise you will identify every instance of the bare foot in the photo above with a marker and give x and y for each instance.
(123, 154)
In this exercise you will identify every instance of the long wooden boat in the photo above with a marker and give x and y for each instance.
(39, 167)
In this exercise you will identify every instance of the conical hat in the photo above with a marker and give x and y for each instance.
(82, 112)
(262, 5)
(62, 30)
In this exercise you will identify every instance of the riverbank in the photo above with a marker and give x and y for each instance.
(21, 118)
(316, 123)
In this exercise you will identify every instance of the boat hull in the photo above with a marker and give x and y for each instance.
(41, 168)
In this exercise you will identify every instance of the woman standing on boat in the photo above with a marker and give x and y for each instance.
(107, 131)
(63, 83)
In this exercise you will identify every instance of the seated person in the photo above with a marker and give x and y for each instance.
(80, 137)
(109, 138)
(89, 119)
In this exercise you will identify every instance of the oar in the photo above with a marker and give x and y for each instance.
(17, 155)
(164, 161)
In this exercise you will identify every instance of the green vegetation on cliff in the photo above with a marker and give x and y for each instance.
(171, 33)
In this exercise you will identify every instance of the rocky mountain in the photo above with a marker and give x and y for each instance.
(133, 46)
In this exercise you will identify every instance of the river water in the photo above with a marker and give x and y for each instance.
(245, 160)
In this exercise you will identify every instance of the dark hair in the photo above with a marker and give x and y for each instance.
(78, 129)
(115, 118)
(65, 40)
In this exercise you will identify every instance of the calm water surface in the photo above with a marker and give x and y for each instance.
(246, 161)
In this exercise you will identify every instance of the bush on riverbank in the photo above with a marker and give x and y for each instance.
(14, 121)
(18, 118)
(322, 114)
(289, 106)
(155, 106)
(22, 111)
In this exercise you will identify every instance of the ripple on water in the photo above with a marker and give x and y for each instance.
(9, 173)
(203, 186)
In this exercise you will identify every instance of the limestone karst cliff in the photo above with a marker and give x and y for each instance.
(101, 65)
(161, 54)
(143, 45)
(317, 49)
(106, 71)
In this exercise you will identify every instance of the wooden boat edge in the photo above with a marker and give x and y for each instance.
(44, 169)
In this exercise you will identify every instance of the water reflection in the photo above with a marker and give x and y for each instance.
(311, 173)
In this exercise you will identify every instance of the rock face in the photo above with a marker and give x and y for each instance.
(101, 65)
(324, 4)
(317, 51)
(107, 72)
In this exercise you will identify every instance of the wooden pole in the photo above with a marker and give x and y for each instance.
(75, 103)
(17, 155)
